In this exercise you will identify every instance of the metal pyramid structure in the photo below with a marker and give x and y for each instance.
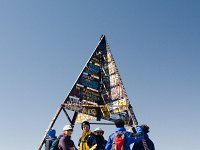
(98, 92)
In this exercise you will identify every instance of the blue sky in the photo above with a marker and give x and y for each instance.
(45, 44)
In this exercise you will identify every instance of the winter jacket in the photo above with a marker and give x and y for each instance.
(65, 143)
(48, 143)
(139, 145)
(87, 141)
(101, 142)
(129, 138)
(51, 137)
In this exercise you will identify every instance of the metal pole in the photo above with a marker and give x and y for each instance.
(74, 118)
(50, 126)
(102, 123)
(67, 115)
(136, 123)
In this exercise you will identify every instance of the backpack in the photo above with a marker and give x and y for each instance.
(48, 143)
(55, 143)
(119, 141)
(90, 139)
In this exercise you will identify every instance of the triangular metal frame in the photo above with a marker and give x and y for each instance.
(73, 119)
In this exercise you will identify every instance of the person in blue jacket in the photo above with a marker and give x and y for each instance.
(129, 137)
(150, 144)
(51, 137)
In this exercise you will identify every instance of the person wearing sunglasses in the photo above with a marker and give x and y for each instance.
(65, 142)
(101, 142)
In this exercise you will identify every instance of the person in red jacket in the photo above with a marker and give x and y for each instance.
(122, 139)
(65, 142)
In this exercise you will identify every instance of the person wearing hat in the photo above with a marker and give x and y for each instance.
(65, 142)
(139, 145)
(87, 140)
(101, 142)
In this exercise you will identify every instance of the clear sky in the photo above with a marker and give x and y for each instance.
(45, 44)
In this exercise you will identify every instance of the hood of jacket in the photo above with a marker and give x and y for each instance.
(52, 133)
(122, 129)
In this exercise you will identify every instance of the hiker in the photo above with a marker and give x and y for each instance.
(51, 137)
(87, 140)
(54, 145)
(122, 139)
(101, 142)
(139, 145)
(65, 142)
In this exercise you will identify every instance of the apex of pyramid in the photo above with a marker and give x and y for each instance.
(102, 36)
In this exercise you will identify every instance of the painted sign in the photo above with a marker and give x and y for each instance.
(92, 69)
(99, 91)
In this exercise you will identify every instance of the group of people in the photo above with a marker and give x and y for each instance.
(119, 140)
